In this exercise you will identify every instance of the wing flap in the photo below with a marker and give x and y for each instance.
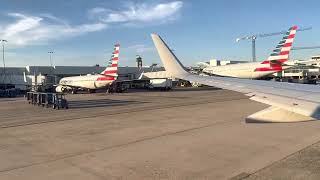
(276, 114)
(295, 105)
(303, 107)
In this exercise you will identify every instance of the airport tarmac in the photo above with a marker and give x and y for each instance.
(192, 133)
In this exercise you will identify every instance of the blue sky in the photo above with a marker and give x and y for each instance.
(82, 32)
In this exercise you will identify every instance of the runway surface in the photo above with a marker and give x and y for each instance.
(182, 134)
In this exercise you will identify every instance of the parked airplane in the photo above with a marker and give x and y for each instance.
(310, 62)
(256, 70)
(92, 82)
(289, 102)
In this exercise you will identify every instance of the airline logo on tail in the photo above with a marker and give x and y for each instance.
(111, 72)
(281, 53)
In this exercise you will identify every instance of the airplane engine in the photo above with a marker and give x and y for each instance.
(61, 89)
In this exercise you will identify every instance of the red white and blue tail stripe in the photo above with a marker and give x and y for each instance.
(112, 68)
(281, 53)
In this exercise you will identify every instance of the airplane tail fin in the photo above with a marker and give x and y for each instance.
(281, 53)
(112, 68)
(169, 60)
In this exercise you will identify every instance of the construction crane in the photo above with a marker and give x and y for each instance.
(255, 36)
(305, 47)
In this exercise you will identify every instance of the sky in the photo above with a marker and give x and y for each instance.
(83, 32)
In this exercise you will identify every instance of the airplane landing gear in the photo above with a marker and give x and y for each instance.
(91, 90)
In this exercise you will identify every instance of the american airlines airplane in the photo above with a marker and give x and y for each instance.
(92, 82)
(256, 70)
(288, 102)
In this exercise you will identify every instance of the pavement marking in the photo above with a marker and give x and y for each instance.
(121, 112)
(120, 145)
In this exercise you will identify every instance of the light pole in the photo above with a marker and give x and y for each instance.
(254, 48)
(51, 64)
(4, 64)
(50, 53)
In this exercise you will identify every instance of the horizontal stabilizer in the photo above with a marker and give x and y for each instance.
(275, 114)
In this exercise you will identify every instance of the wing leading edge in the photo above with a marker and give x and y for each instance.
(289, 102)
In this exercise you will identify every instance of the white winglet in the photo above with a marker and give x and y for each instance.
(169, 60)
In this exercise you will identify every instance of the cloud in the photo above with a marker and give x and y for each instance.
(139, 13)
(26, 29)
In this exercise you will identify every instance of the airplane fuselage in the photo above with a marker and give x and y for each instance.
(252, 70)
(91, 82)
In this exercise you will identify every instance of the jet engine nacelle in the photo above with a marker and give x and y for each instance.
(61, 89)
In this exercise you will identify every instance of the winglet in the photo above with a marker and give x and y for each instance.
(169, 60)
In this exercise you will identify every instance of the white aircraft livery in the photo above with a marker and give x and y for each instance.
(257, 70)
(289, 102)
(92, 82)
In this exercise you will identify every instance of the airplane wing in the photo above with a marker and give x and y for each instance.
(289, 102)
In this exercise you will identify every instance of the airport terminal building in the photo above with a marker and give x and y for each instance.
(21, 77)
